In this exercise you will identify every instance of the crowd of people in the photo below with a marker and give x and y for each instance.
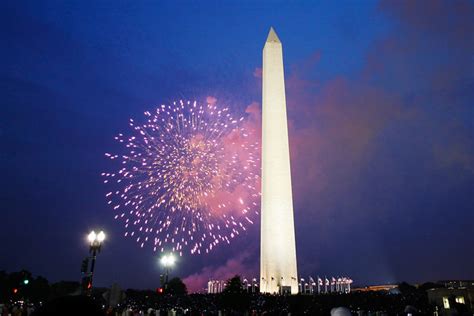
(37, 297)
(17, 309)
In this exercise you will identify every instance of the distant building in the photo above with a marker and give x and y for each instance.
(391, 288)
(452, 301)
(457, 284)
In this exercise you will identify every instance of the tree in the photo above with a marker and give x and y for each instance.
(234, 298)
(429, 285)
(406, 288)
(63, 288)
(234, 285)
(176, 286)
(39, 289)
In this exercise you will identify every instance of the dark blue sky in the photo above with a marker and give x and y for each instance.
(380, 98)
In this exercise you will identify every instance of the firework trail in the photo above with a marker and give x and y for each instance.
(189, 180)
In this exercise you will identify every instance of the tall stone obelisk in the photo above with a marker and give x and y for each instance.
(277, 244)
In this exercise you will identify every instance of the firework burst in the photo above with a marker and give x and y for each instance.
(189, 178)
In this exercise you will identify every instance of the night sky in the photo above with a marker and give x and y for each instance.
(380, 101)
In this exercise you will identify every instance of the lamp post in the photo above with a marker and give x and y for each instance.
(167, 261)
(95, 241)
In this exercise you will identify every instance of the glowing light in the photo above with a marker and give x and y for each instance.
(188, 179)
(101, 236)
(92, 236)
(168, 260)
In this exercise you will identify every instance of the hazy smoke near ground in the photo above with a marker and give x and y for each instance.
(238, 265)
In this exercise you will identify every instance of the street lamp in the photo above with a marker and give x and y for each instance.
(167, 261)
(95, 241)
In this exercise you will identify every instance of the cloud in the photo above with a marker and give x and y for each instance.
(455, 152)
(338, 124)
(452, 21)
(368, 149)
(429, 63)
(376, 152)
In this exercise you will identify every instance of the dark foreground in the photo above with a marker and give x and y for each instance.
(23, 295)
(151, 303)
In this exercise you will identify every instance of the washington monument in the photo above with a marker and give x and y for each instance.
(277, 237)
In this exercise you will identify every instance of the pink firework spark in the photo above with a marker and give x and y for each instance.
(189, 178)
